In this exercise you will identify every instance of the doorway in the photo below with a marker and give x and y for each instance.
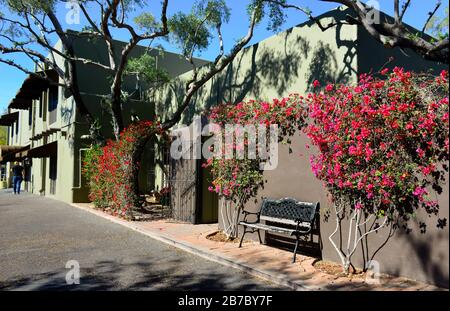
(52, 174)
(209, 211)
(191, 201)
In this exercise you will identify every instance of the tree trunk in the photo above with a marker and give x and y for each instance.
(116, 113)
(230, 216)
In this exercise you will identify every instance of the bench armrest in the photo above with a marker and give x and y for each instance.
(303, 228)
(247, 213)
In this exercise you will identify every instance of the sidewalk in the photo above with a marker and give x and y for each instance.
(259, 260)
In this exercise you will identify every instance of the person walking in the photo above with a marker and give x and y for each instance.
(18, 172)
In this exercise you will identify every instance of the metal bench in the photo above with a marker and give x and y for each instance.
(299, 215)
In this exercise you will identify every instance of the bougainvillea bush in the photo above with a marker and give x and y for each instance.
(383, 148)
(111, 169)
(238, 179)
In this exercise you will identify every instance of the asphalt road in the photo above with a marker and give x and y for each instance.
(38, 236)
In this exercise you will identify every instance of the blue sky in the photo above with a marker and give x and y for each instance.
(11, 78)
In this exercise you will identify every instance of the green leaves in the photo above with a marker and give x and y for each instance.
(146, 21)
(216, 12)
(189, 32)
(20, 6)
(276, 16)
(3, 135)
(192, 32)
(145, 67)
(274, 11)
(438, 25)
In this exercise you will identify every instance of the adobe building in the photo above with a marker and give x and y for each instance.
(49, 137)
(289, 62)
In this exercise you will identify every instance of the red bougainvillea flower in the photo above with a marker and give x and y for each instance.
(109, 169)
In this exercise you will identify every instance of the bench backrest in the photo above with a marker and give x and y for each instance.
(288, 211)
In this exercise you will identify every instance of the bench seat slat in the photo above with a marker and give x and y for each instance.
(268, 228)
(272, 228)
(285, 221)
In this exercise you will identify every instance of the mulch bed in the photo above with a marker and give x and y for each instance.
(335, 269)
(219, 236)
(150, 212)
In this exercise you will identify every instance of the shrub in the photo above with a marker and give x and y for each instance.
(111, 169)
(239, 179)
(382, 146)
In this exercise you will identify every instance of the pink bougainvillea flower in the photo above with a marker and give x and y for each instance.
(378, 139)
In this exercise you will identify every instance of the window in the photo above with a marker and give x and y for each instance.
(41, 106)
(52, 104)
(30, 116)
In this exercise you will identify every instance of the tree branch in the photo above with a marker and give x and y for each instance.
(42, 58)
(397, 35)
(430, 16)
(396, 12)
(404, 8)
(32, 73)
(221, 48)
(88, 18)
(309, 14)
(212, 70)
(116, 87)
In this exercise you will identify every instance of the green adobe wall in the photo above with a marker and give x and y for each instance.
(285, 63)
(95, 82)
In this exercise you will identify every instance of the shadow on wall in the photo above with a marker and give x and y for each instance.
(270, 67)
(324, 65)
(262, 70)
(431, 263)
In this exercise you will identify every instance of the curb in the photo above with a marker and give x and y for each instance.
(276, 278)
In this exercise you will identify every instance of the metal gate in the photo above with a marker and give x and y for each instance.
(184, 181)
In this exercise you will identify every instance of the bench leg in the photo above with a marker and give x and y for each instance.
(259, 236)
(295, 249)
(242, 238)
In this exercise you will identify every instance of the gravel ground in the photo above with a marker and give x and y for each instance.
(38, 236)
